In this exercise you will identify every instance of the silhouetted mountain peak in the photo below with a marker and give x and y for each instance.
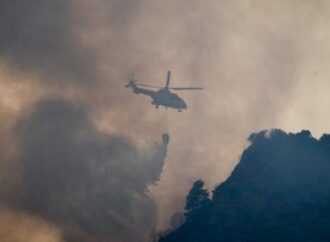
(279, 191)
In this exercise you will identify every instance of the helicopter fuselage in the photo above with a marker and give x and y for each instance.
(162, 97)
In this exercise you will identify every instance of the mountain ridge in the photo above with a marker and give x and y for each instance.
(279, 191)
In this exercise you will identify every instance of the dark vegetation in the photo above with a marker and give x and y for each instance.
(279, 191)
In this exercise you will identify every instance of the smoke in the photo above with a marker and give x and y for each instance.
(20, 227)
(251, 57)
(39, 37)
(92, 185)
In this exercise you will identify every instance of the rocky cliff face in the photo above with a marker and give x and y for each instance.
(279, 191)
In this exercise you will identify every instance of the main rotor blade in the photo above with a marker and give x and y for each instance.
(168, 78)
(186, 88)
(145, 85)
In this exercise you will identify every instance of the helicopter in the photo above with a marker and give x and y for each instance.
(162, 97)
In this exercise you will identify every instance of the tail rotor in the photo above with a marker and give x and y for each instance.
(132, 80)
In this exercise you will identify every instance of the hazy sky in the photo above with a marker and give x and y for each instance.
(263, 65)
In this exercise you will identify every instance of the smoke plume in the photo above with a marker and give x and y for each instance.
(90, 184)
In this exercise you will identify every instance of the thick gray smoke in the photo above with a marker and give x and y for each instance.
(39, 37)
(90, 184)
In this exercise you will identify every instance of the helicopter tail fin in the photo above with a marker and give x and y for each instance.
(132, 81)
(131, 84)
